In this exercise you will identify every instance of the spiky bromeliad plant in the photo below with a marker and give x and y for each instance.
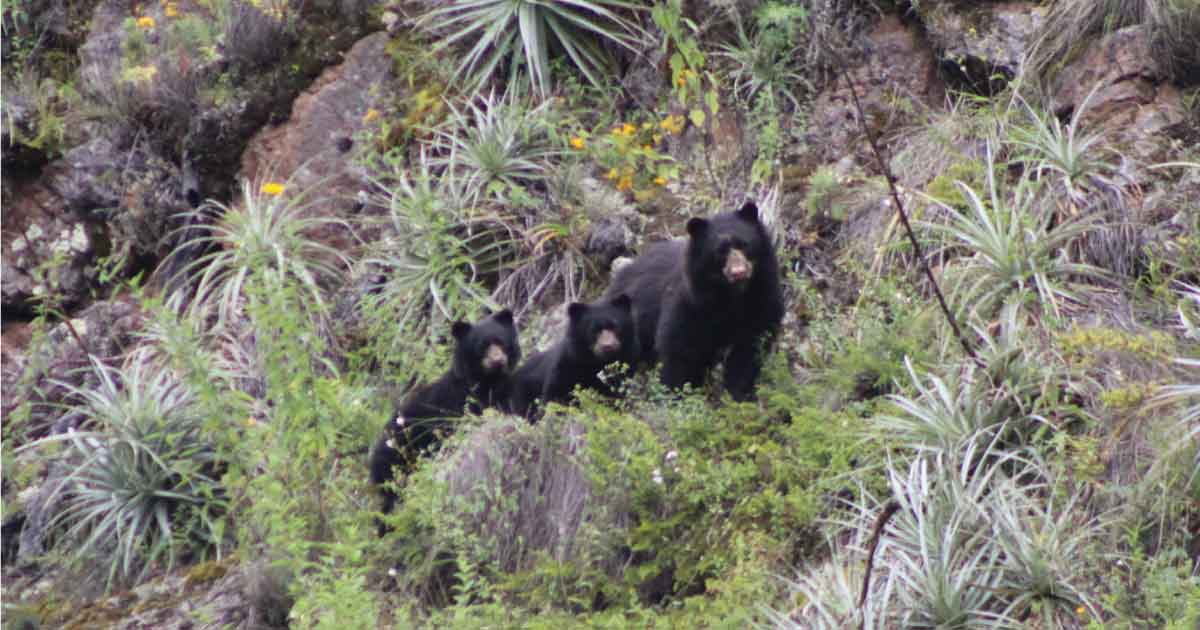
(142, 479)
(270, 232)
(524, 33)
(764, 63)
(436, 250)
(973, 539)
(1016, 246)
(498, 146)
(1074, 157)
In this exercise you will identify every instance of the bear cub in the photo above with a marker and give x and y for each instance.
(485, 354)
(714, 295)
(598, 334)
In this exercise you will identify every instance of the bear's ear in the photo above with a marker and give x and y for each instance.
(575, 310)
(696, 227)
(504, 317)
(749, 212)
(623, 302)
(460, 330)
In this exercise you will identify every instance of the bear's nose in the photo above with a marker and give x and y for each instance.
(495, 358)
(607, 344)
(737, 267)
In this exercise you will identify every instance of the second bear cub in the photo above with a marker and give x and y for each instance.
(598, 335)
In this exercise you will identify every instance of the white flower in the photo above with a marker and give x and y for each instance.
(657, 476)
(390, 444)
(672, 459)
(400, 420)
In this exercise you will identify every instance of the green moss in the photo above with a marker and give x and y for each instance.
(945, 189)
(824, 186)
(1082, 345)
(1127, 398)
(208, 571)
(94, 615)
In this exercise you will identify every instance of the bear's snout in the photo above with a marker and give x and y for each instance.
(738, 268)
(607, 344)
(495, 359)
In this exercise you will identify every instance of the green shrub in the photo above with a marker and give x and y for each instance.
(595, 506)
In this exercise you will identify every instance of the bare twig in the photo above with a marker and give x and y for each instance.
(917, 251)
(877, 532)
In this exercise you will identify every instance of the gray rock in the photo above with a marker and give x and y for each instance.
(314, 150)
(47, 252)
(981, 45)
(18, 124)
(899, 64)
(1132, 103)
(607, 239)
(546, 493)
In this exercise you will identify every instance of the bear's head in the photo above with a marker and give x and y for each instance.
(728, 249)
(488, 349)
(602, 330)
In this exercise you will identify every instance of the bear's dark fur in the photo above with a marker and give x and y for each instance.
(714, 293)
(479, 377)
(598, 334)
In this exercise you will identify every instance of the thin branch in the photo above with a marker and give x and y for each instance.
(920, 253)
(888, 511)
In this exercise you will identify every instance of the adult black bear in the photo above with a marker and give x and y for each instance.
(598, 335)
(716, 292)
(479, 377)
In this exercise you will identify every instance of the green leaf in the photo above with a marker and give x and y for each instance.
(710, 99)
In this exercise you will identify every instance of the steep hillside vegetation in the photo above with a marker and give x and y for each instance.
(236, 233)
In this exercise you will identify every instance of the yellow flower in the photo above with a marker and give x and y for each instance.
(673, 124)
(273, 189)
(625, 184)
(577, 142)
(139, 74)
(612, 174)
(647, 147)
(660, 180)
(145, 22)
(657, 138)
(628, 129)
(1081, 611)
(371, 114)
(169, 10)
